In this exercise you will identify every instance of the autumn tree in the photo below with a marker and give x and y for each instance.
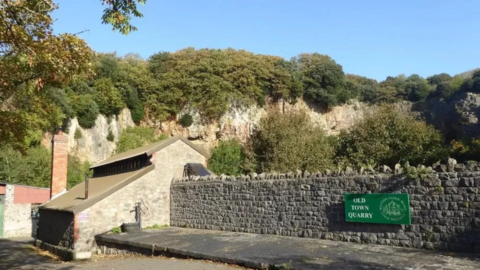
(33, 57)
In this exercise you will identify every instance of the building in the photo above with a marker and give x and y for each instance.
(69, 222)
(18, 205)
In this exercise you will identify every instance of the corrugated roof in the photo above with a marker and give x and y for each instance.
(148, 150)
(98, 188)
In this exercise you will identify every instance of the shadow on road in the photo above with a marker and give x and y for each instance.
(16, 254)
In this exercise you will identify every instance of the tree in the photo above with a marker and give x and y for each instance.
(417, 88)
(388, 137)
(439, 78)
(32, 57)
(444, 90)
(366, 89)
(288, 142)
(227, 158)
(118, 14)
(323, 79)
(108, 98)
(86, 109)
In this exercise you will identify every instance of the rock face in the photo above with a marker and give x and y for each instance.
(456, 118)
(93, 145)
(240, 122)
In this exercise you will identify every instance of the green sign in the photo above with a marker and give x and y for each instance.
(378, 208)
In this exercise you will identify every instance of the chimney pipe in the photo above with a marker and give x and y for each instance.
(86, 185)
(58, 183)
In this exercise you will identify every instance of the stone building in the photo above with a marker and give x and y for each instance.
(17, 205)
(69, 222)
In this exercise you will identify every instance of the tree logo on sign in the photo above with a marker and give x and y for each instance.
(393, 209)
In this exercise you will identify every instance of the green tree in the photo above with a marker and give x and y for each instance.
(362, 87)
(288, 142)
(77, 171)
(227, 158)
(439, 78)
(417, 88)
(387, 137)
(108, 98)
(86, 110)
(107, 66)
(323, 79)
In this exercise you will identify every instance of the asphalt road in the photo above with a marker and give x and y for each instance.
(19, 254)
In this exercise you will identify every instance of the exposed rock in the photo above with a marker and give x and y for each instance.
(93, 145)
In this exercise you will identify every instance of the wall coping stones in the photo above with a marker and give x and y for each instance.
(427, 174)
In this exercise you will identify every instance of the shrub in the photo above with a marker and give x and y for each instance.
(287, 142)
(77, 170)
(78, 134)
(186, 120)
(31, 168)
(85, 109)
(110, 136)
(388, 137)
(465, 149)
(227, 158)
(134, 137)
(135, 105)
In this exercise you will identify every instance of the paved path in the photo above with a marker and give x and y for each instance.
(262, 251)
(18, 254)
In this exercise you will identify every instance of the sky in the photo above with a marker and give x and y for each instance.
(372, 38)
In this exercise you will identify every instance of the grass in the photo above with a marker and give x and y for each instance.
(156, 227)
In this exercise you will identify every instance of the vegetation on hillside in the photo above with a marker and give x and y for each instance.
(227, 158)
(288, 142)
(46, 79)
(134, 137)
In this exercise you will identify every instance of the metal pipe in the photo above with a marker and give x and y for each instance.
(87, 177)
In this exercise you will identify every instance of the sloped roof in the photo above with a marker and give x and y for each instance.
(98, 188)
(148, 150)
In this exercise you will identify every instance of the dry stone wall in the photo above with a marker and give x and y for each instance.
(444, 203)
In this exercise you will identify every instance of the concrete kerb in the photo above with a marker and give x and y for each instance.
(63, 253)
(155, 250)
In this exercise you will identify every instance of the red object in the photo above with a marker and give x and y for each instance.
(24, 194)
(59, 164)
(2, 190)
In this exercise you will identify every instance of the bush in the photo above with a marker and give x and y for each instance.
(76, 171)
(110, 136)
(186, 120)
(85, 109)
(135, 105)
(288, 142)
(32, 168)
(78, 134)
(465, 149)
(388, 137)
(227, 158)
(134, 137)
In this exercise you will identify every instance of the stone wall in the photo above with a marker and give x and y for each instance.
(445, 206)
(17, 218)
(152, 190)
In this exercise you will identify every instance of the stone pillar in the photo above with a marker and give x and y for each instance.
(59, 164)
